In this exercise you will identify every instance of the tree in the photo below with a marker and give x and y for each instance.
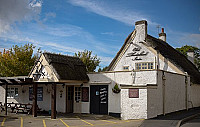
(91, 62)
(186, 48)
(17, 61)
(103, 69)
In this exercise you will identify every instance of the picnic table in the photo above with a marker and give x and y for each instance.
(19, 107)
(1, 107)
(23, 107)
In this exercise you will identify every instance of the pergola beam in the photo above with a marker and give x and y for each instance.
(53, 101)
(35, 100)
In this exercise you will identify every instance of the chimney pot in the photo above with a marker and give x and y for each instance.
(162, 30)
(162, 35)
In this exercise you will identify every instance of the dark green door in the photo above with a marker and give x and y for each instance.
(99, 99)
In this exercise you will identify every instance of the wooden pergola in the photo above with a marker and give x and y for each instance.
(29, 81)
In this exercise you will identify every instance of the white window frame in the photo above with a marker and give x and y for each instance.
(77, 97)
(12, 92)
(144, 66)
(126, 68)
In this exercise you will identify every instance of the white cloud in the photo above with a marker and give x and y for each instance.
(179, 39)
(105, 60)
(63, 30)
(193, 39)
(119, 14)
(13, 11)
(49, 15)
(108, 33)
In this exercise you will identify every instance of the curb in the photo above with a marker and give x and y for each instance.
(180, 122)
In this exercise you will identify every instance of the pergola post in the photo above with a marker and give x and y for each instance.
(53, 101)
(6, 93)
(34, 100)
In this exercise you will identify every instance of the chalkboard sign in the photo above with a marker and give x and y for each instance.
(85, 94)
(103, 95)
(133, 93)
(39, 93)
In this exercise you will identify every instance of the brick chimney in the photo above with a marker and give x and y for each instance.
(190, 56)
(141, 30)
(162, 35)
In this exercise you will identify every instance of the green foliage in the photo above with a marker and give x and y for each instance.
(91, 62)
(116, 88)
(103, 69)
(17, 61)
(186, 48)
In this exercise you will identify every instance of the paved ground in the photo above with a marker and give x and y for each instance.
(169, 120)
(63, 120)
(192, 123)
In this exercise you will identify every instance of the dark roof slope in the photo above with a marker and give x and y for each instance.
(67, 67)
(175, 57)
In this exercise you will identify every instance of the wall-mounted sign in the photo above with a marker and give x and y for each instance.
(133, 93)
(85, 94)
(103, 95)
(39, 93)
(136, 52)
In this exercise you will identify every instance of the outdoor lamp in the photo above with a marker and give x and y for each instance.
(36, 75)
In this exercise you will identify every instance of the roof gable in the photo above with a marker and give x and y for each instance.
(126, 42)
(67, 67)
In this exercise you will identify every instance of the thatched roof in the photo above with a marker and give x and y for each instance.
(174, 56)
(67, 67)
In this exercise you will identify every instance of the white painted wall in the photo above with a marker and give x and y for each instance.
(194, 95)
(119, 103)
(174, 95)
(2, 94)
(174, 92)
(134, 108)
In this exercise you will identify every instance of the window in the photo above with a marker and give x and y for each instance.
(126, 68)
(39, 93)
(77, 94)
(12, 92)
(144, 66)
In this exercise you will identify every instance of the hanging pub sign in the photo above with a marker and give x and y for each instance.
(133, 93)
(39, 93)
(85, 94)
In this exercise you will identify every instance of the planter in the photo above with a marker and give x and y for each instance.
(116, 89)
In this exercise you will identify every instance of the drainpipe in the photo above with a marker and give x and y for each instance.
(186, 92)
(163, 90)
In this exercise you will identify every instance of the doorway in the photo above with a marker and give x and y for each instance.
(69, 99)
(99, 99)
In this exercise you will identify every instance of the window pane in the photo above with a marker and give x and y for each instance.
(16, 92)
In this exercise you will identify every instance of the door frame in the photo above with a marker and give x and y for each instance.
(67, 98)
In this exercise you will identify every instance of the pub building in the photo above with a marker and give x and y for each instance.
(146, 78)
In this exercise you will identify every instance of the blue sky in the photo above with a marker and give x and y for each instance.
(68, 26)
